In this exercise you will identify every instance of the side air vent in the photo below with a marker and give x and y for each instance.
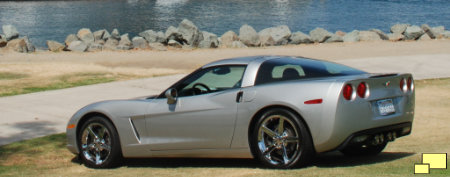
(136, 133)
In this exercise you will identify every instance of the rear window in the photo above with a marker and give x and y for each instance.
(284, 69)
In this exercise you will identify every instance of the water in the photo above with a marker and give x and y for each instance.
(54, 20)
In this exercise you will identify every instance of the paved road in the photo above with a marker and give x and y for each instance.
(43, 113)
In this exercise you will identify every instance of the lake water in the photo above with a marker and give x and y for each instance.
(54, 20)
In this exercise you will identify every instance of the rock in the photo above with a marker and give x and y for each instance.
(30, 46)
(280, 34)
(140, 43)
(190, 33)
(187, 47)
(161, 37)
(238, 44)
(173, 34)
(227, 39)
(335, 38)
(382, 35)
(424, 37)
(77, 46)
(413, 32)
(55, 46)
(10, 32)
(98, 35)
(95, 47)
(123, 47)
(300, 38)
(319, 35)
(209, 40)
(438, 29)
(149, 35)
(249, 36)
(152, 36)
(395, 36)
(369, 36)
(340, 33)
(2, 41)
(352, 36)
(111, 44)
(115, 34)
(125, 40)
(101, 41)
(124, 43)
(106, 35)
(86, 35)
(18, 45)
(428, 30)
(446, 34)
(266, 39)
(174, 43)
(70, 38)
(399, 28)
(157, 46)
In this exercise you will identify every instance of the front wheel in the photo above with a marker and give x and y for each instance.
(281, 140)
(99, 144)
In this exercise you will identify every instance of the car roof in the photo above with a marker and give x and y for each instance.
(245, 60)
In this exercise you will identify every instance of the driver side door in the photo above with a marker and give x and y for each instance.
(204, 114)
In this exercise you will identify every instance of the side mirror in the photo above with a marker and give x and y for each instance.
(171, 95)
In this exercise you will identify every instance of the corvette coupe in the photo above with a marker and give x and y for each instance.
(280, 110)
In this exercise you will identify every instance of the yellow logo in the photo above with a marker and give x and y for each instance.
(431, 161)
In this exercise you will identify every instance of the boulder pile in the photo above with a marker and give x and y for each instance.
(11, 40)
(188, 36)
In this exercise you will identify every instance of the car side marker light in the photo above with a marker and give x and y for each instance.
(315, 101)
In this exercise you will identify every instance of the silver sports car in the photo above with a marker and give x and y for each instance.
(279, 110)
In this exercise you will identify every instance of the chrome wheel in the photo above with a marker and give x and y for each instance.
(96, 143)
(278, 140)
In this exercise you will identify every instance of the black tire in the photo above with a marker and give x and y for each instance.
(98, 143)
(291, 147)
(363, 150)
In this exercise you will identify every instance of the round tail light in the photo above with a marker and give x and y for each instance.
(403, 85)
(347, 91)
(362, 90)
(410, 84)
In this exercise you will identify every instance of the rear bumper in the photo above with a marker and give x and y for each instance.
(364, 136)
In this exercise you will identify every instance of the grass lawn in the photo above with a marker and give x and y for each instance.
(47, 156)
(22, 77)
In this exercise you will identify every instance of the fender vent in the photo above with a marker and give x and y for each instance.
(135, 131)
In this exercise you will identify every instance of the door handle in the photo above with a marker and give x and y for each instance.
(239, 96)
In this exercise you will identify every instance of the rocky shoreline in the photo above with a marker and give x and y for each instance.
(188, 36)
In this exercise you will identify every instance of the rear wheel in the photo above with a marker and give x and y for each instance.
(280, 140)
(99, 144)
(362, 150)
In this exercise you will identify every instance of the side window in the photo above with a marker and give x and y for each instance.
(284, 69)
(279, 71)
(272, 71)
(212, 79)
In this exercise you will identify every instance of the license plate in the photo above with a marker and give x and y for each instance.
(386, 107)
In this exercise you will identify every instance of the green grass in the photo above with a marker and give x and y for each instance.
(31, 156)
(10, 76)
(60, 82)
(68, 81)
